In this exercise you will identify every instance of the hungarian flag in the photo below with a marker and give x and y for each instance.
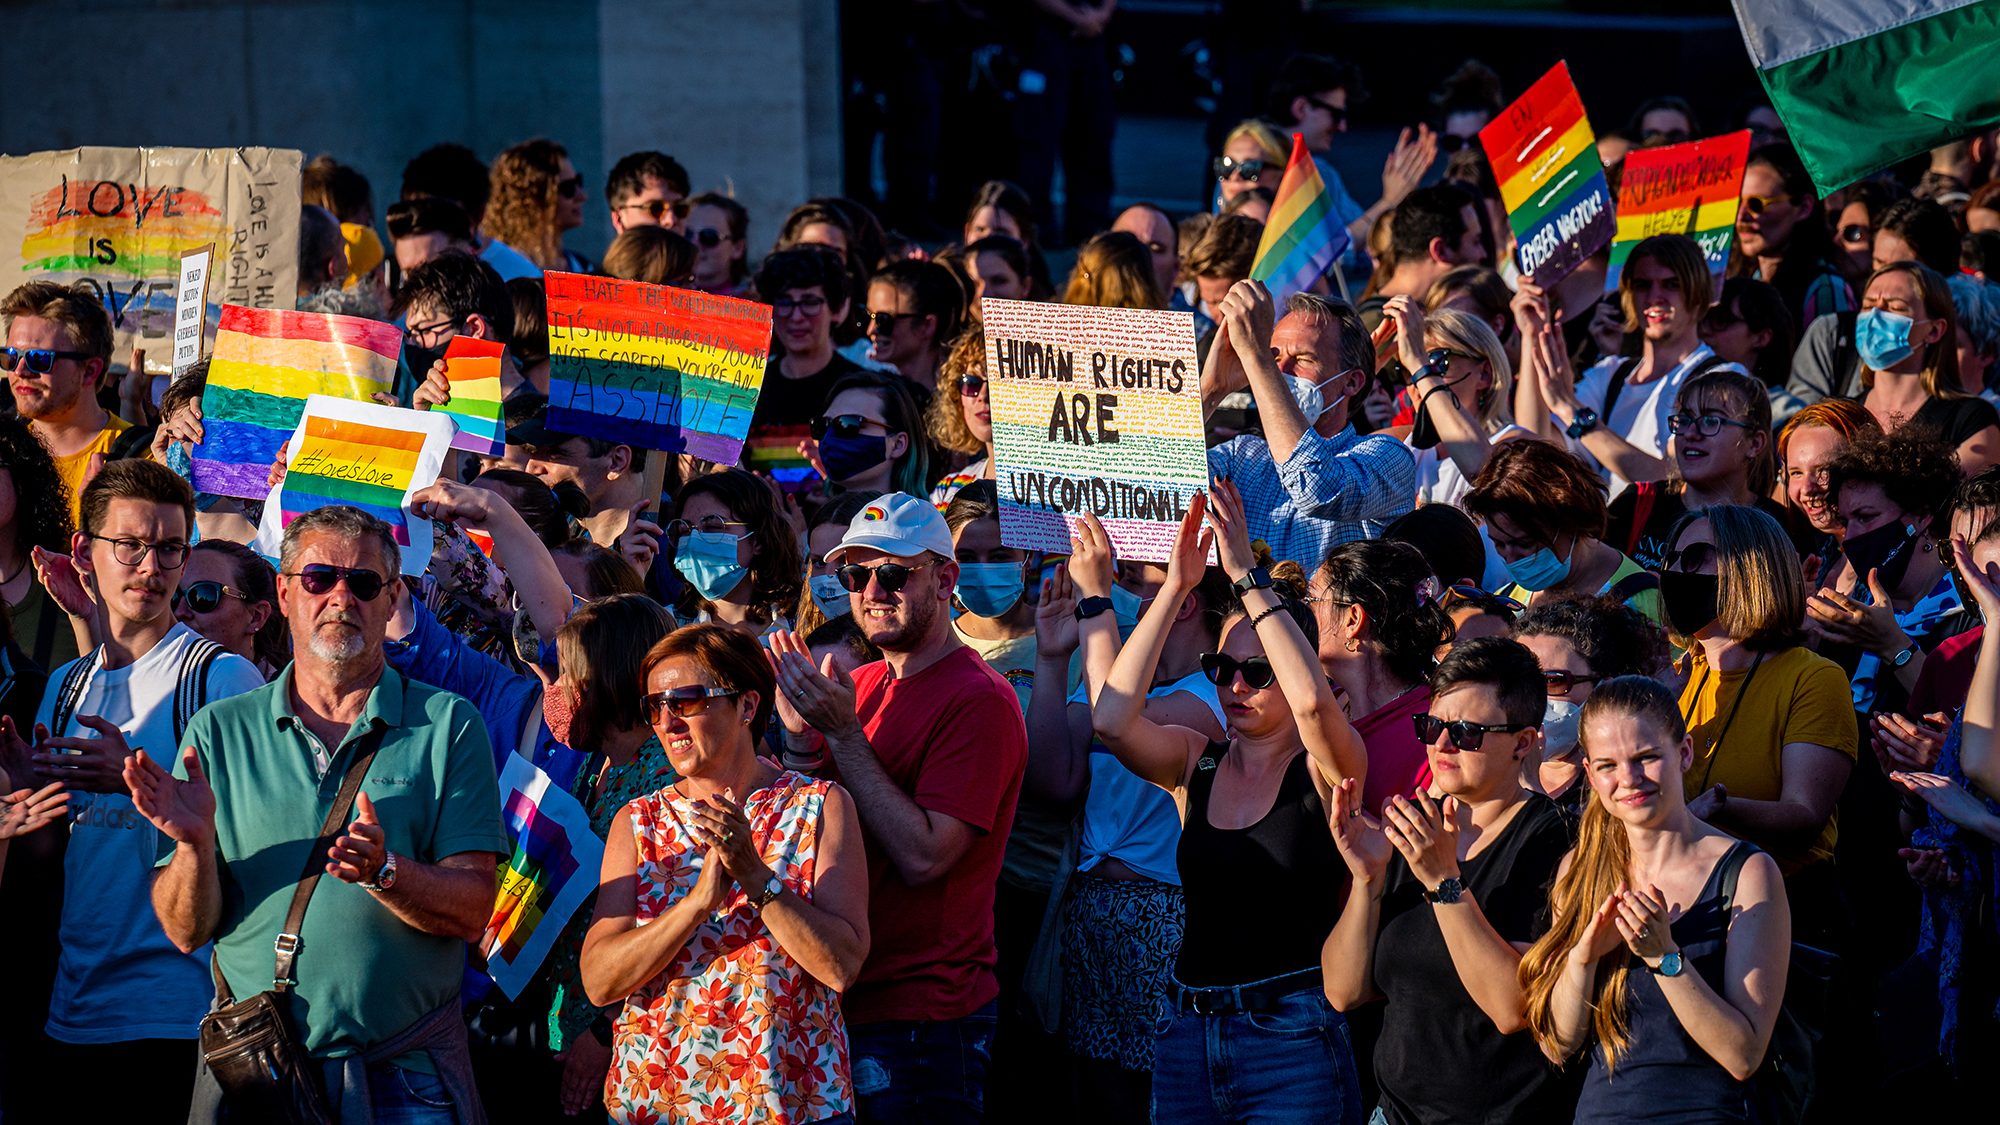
(1304, 236)
(1862, 84)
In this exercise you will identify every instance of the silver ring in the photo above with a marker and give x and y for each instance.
(1645, 932)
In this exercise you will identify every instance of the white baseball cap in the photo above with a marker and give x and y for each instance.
(897, 523)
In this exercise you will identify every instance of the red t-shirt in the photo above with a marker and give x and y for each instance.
(1947, 675)
(953, 738)
(1398, 763)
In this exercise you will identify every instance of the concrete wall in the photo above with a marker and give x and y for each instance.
(744, 92)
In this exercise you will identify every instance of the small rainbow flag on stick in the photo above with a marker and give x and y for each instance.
(553, 869)
(1304, 236)
(473, 368)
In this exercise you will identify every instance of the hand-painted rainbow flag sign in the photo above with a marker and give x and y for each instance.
(654, 366)
(1305, 236)
(473, 368)
(1545, 157)
(553, 869)
(264, 366)
(1691, 189)
(364, 455)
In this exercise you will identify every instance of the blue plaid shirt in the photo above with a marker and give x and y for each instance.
(1332, 490)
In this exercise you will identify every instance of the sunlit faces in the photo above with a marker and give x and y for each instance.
(823, 234)
(1633, 767)
(651, 207)
(1863, 507)
(715, 252)
(1656, 294)
(1898, 292)
(1248, 711)
(901, 620)
(1890, 246)
(704, 511)
(233, 621)
(414, 250)
(1496, 763)
(711, 736)
(336, 626)
(1514, 543)
(1558, 657)
(1767, 213)
(1149, 226)
(1246, 148)
(993, 277)
(134, 583)
(897, 333)
(569, 196)
(1807, 454)
(976, 408)
(56, 393)
(845, 466)
(1704, 458)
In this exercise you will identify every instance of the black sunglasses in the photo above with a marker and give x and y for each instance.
(1221, 670)
(886, 321)
(1689, 559)
(843, 425)
(683, 702)
(570, 188)
(40, 361)
(1449, 143)
(971, 386)
(1486, 600)
(1337, 113)
(890, 576)
(321, 578)
(1559, 683)
(1857, 234)
(1226, 168)
(1464, 735)
(1706, 425)
(204, 597)
(708, 238)
(657, 208)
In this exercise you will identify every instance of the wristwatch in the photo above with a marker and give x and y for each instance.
(1091, 607)
(1905, 656)
(773, 887)
(1259, 578)
(1447, 892)
(1670, 964)
(385, 875)
(1585, 421)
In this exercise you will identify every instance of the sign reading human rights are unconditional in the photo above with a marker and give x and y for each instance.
(1545, 157)
(1094, 410)
(654, 366)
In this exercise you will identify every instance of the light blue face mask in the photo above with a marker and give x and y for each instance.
(1126, 607)
(1562, 724)
(830, 595)
(707, 559)
(1541, 570)
(990, 589)
(1882, 338)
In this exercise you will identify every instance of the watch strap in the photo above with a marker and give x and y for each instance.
(1091, 607)
(1258, 578)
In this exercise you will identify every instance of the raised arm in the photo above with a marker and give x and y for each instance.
(1163, 755)
(1247, 318)
(1979, 748)
(1534, 321)
(1558, 383)
(1463, 437)
(531, 570)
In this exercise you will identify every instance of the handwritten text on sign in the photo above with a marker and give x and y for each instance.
(654, 366)
(1094, 410)
(1545, 157)
(1691, 189)
(191, 307)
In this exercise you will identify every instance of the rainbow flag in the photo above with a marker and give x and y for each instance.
(553, 869)
(473, 369)
(1545, 156)
(1692, 189)
(264, 366)
(1304, 236)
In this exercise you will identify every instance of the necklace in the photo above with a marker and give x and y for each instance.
(9, 580)
(1708, 755)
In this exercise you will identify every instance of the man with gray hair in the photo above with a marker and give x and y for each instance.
(368, 975)
(1309, 482)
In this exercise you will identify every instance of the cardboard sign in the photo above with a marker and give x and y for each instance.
(264, 367)
(1094, 410)
(117, 220)
(364, 455)
(1693, 189)
(1545, 156)
(654, 366)
(191, 307)
(473, 369)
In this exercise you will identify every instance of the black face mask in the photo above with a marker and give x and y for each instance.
(1887, 550)
(1690, 600)
(419, 360)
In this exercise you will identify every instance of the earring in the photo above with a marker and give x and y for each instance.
(1353, 644)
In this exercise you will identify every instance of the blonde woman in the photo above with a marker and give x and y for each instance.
(537, 198)
(961, 418)
(1253, 155)
(1461, 404)
(1114, 270)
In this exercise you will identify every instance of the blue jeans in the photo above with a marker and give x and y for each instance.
(404, 1097)
(922, 1070)
(1291, 1063)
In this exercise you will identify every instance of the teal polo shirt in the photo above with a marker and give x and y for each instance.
(364, 974)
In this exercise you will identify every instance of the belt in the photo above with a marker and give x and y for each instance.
(1229, 1000)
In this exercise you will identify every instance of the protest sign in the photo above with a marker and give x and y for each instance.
(264, 366)
(1692, 189)
(473, 369)
(364, 455)
(191, 307)
(654, 366)
(118, 219)
(1094, 410)
(552, 870)
(1545, 157)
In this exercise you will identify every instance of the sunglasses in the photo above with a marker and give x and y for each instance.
(1755, 204)
(1857, 234)
(847, 426)
(1246, 170)
(682, 702)
(1706, 425)
(1689, 559)
(321, 578)
(1559, 683)
(1222, 670)
(1486, 600)
(204, 597)
(708, 238)
(40, 361)
(885, 322)
(1464, 735)
(132, 552)
(1338, 114)
(1719, 319)
(657, 208)
(971, 386)
(1449, 143)
(890, 576)
(570, 188)
(810, 306)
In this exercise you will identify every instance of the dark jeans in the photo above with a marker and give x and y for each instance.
(154, 1076)
(929, 1071)
(1291, 1063)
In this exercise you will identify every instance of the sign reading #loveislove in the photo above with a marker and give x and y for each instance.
(1545, 157)
(654, 366)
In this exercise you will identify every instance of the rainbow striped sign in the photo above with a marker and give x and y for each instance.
(1304, 236)
(1545, 157)
(473, 369)
(553, 869)
(264, 366)
(653, 366)
(363, 455)
(1692, 189)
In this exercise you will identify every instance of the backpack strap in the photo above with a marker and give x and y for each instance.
(1632, 585)
(1611, 393)
(1644, 493)
(191, 684)
(71, 692)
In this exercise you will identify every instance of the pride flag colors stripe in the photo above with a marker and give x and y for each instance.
(265, 364)
(1692, 189)
(552, 869)
(1545, 157)
(350, 463)
(1304, 236)
(473, 369)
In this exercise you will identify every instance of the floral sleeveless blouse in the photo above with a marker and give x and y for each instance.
(733, 1029)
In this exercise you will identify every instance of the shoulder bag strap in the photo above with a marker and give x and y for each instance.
(288, 942)
(1632, 585)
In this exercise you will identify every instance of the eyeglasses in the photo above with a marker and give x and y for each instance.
(1559, 683)
(890, 576)
(204, 597)
(1755, 204)
(1857, 234)
(682, 702)
(1338, 113)
(1706, 425)
(1449, 143)
(1464, 735)
(708, 238)
(1485, 599)
(713, 525)
(570, 188)
(1222, 670)
(40, 361)
(807, 306)
(1245, 170)
(415, 335)
(848, 426)
(131, 552)
(972, 386)
(885, 322)
(321, 578)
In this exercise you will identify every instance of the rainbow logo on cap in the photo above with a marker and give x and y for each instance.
(874, 512)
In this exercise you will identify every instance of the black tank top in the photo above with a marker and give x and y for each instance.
(1260, 900)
